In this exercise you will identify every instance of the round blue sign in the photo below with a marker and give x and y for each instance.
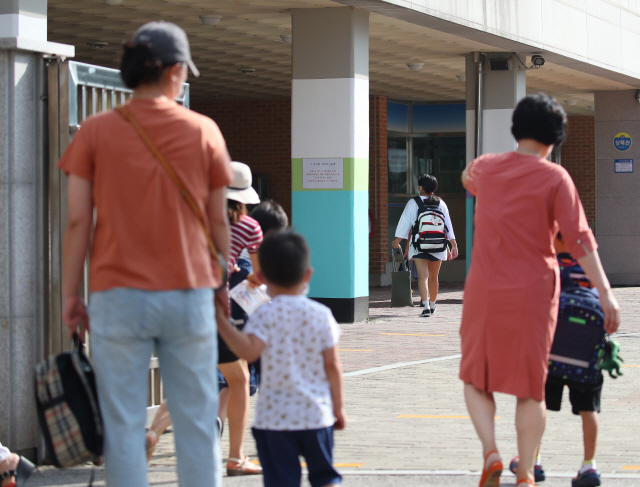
(622, 141)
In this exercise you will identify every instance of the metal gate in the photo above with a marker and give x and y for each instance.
(77, 91)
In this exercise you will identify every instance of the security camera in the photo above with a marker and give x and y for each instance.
(537, 60)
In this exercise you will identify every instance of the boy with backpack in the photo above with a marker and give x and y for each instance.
(585, 384)
(301, 400)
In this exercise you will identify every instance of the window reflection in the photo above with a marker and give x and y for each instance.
(425, 139)
(397, 157)
(442, 156)
(397, 117)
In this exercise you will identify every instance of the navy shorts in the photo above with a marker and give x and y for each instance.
(583, 397)
(279, 452)
(426, 256)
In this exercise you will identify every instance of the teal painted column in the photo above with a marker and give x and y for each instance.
(330, 153)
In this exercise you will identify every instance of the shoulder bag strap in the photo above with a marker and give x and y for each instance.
(184, 191)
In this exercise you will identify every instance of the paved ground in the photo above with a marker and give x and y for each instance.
(407, 422)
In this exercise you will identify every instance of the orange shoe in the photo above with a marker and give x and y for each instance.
(491, 474)
(237, 466)
(151, 440)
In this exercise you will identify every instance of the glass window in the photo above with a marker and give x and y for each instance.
(425, 139)
(397, 117)
(397, 158)
(439, 118)
(442, 156)
(422, 160)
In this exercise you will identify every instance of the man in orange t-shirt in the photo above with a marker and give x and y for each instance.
(151, 276)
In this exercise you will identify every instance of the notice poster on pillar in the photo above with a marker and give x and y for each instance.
(322, 173)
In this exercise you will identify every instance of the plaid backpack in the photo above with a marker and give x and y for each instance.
(68, 409)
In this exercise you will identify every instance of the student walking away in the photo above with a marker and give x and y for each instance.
(426, 224)
(271, 217)
(584, 382)
(300, 401)
(152, 277)
(14, 469)
(245, 234)
(511, 293)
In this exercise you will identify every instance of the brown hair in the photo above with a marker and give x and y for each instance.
(235, 210)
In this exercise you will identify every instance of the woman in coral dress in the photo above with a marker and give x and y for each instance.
(511, 294)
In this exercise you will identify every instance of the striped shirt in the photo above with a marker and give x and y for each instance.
(246, 234)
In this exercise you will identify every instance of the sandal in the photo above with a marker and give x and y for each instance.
(242, 467)
(525, 481)
(491, 474)
(151, 440)
(20, 474)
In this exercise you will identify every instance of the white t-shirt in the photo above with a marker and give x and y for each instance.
(294, 389)
(408, 218)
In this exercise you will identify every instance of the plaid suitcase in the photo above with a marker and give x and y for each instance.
(68, 409)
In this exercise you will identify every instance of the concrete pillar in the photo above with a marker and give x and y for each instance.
(503, 85)
(23, 239)
(25, 19)
(618, 184)
(330, 153)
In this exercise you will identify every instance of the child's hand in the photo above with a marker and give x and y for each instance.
(253, 280)
(341, 419)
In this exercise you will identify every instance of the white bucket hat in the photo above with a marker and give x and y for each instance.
(240, 188)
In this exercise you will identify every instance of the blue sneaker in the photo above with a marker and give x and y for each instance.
(590, 478)
(538, 470)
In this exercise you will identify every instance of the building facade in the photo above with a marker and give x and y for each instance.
(336, 106)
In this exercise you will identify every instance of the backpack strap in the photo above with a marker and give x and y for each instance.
(421, 206)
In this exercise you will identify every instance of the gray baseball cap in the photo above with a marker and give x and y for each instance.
(167, 42)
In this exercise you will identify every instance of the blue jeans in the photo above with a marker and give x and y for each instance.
(126, 326)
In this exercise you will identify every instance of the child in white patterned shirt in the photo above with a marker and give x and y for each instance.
(300, 401)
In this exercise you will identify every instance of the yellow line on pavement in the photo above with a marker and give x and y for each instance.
(413, 334)
(352, 350)
(436, 416)
(630, 365)
(340, 465)
(631, 467)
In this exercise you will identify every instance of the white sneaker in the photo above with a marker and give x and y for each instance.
(426, 312)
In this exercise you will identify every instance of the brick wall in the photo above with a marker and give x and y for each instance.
(378, 184)
(579, 158)
(258, 133)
